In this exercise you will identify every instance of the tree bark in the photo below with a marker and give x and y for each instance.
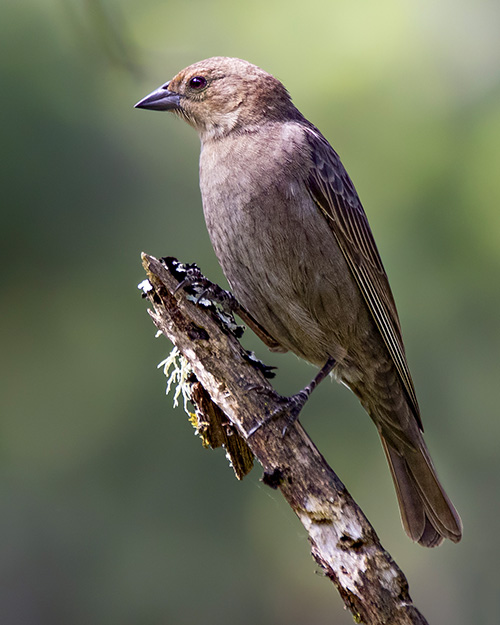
(232, 395)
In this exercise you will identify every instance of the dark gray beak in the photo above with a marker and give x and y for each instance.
(160, 100)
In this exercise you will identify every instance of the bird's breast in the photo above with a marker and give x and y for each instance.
(276, 249)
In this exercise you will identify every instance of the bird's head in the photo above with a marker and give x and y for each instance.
(222, 94)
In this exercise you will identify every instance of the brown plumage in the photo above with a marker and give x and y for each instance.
(294, 242)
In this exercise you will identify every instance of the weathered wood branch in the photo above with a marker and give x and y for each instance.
(343, 542)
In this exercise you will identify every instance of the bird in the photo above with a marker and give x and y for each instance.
(293, 240)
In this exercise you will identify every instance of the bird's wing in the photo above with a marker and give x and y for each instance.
(334, 193)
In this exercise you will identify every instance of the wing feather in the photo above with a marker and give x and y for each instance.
(335, 195)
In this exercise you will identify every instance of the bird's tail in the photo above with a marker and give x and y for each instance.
(428, 515)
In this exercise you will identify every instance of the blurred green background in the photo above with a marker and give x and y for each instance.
(111, 511)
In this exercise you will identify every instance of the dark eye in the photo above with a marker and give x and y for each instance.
(198, 82)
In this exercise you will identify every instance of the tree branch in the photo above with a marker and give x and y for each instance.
(228, 392)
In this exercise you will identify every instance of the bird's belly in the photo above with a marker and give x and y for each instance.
(285, 267)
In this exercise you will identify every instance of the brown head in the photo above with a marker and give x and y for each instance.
(222, 94)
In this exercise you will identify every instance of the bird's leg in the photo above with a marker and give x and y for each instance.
(292, 406)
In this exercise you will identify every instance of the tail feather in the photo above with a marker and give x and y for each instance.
(427, 514)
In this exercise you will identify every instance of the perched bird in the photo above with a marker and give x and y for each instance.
(294, 242)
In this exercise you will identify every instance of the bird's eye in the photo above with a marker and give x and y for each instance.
(198, 82)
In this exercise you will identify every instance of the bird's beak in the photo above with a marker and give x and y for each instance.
(160, 100)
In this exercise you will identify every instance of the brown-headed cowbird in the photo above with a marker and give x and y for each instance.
(294, 242)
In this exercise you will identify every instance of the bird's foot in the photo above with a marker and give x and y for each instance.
(286, 412)
(288, 408)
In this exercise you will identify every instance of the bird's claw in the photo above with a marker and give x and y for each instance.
(288, 411)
